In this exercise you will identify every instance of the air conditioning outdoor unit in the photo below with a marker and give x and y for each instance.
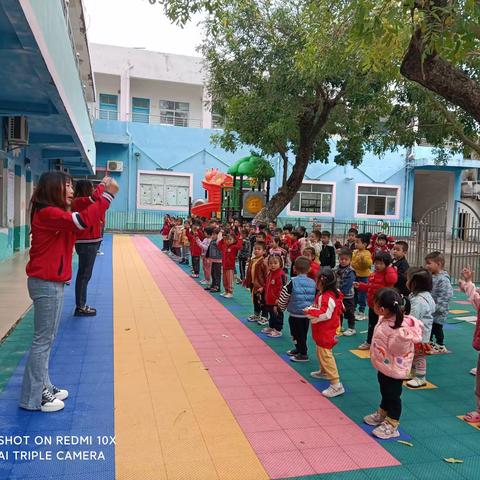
(114, 166)
(17, 131)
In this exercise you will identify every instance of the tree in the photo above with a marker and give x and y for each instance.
(283, 93)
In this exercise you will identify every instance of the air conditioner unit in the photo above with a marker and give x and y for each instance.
(114, 166)
(17, 131)
(58, 165)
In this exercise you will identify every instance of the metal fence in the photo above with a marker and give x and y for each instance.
(139, 221)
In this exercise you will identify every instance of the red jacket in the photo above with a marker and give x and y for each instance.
(93, 233)
(314, 269)
(273, 286)
(229, 253)
(54, 232)
(377, 281)
(195, 249)
(295, 250)
(325, 320)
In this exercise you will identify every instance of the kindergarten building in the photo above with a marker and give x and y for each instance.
(145, 118)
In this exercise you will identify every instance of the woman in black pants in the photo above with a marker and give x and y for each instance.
(86, 245)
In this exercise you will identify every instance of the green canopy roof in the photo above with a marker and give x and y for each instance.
(253, 167)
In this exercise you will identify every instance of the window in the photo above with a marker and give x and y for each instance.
(313, 198)
(108, 107)
(217, 119)
(164, 191)
(377, 201)
(174, 113)
(140, 110)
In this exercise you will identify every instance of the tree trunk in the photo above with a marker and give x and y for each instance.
(285, 170)
(441, 77)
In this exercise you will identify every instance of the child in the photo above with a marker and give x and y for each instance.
(294, 251)
(298, 294)
(383, 276)
(399, 252)
(325, 318)
(195, 250)
(361, 263)
(473, 294)
(345, 279)
(244, 255)
(350, 243)
(255, 278)
(276, 280)
(380, 243)
(327, 253)
(185, 244)
(314, 241)
(422, 306)
(310, 253)
(442, 293)
(392, 355)
(229, 246)
(277, 249)
(177, 239)
(167, 225)
(204, 244)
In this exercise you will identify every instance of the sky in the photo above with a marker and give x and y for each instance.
(136, 23)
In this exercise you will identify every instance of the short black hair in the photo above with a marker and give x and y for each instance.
(326, 233)
(261, 245)
(364, 238)
(382, 236)
(353, 230)
(345, 252)
(384, 257)
(403, 244)
(302, 265)
(209, 230)
(288, 227)
(420, 280)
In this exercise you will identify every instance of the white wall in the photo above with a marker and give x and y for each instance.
(147, 64)
(157, 90)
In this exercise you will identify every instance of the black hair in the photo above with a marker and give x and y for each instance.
(209, 230)
(317, 234)
(261, 244)
(390, 299)
(328, 279)
(277, 240)
(311, 250)
(302, 230)
(345, 252)
(437, 257)
(302, 265)
(364, 238)
(279, 257)
(326, 233)
(288, 227)
(353, 230)
(297, 234)
(419, 279)
(382, 236)
(403, 244)
(261, 227)
(384, 257)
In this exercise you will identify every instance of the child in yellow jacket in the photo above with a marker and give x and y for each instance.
(361, 263)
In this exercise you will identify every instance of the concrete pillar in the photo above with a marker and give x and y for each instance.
(206, 110)
(125, 94)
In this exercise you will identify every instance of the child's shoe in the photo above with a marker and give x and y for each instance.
(473, 371)
(214, 290)
(299, 358)
(374, 419)
(334, 391)
(203, 282)
(361, 316)
(253, 318)
(417, 382)
(208, 287)
(349, 332)
(292, 352)
(228, 295)
(385, 431)
(319, 375)
(266, 330)
(364, 346)
(274, 334)
(50, 403)
(262, 321)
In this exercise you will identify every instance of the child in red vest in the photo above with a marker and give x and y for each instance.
(274, 283)
(229, 246)
(324, 315)
(195, 250)
(384, 276)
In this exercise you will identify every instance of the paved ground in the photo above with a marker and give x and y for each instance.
(190, 390)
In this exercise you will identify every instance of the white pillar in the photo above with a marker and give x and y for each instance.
(125, 94)
(206, 110)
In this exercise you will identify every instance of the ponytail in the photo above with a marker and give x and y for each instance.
(391, 300)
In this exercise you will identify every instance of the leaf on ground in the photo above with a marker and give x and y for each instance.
(403, 442)
(453, 460)
(364, 331)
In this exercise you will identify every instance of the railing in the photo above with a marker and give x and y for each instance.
(139, 221)
(105, 114)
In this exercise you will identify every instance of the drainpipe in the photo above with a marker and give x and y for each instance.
(130, 151)
(409, 157)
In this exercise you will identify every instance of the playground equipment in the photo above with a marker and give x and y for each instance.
(242, 192)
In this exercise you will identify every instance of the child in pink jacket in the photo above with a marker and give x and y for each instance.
(473, 294)
(391, 353)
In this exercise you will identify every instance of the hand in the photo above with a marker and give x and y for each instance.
(105, 180)
(260, 290)
(356, 284)
(112, 186)
(467, 274)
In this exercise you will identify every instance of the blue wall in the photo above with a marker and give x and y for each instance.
(189, 150)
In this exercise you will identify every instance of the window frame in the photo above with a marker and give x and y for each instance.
(174, 112)
(396, 216)
(168, 173)
(296, 213)
(145, 112)
(110, 111)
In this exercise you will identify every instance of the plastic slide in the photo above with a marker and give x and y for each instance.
(214, 200)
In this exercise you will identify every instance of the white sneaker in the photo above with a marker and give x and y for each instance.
(222, 294)
(334, 391)
(473, 371)
(274, 334)
(361, 316)
(374, 419)
(59, 393)
(385, 431)
(253, 318)
(204, 282)
(318, 374)
(349, 332)
(364, 346)
(262, 321)
(417, 382)
(99, 253)
(228, 295)
(266, 330)
(50, 403)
